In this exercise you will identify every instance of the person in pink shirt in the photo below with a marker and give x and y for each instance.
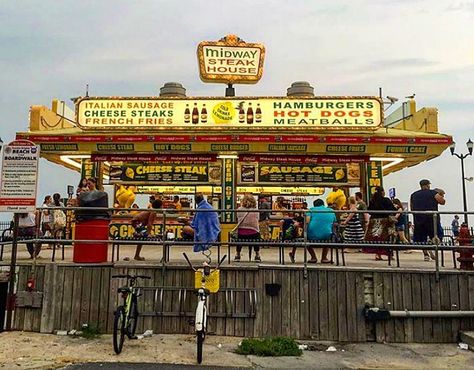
(248, 225)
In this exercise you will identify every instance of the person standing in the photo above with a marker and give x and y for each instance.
(425, 199)
(336, 197)
(27, 225)
(353, 231)
(455, 226)
(82, 186)
(381, 227)
(401, 224)
(47, 220)
(177, 203)
(58, 215)
(248, 226)
(206, 224)
(361, 206)
(264, 217)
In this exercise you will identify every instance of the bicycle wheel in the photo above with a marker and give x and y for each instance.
(199, 341)
(132, 320)
(119, 329)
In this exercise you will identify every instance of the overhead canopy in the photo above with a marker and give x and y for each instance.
(65, 139)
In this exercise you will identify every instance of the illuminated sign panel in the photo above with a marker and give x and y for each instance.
(323, 113)
(230, 61)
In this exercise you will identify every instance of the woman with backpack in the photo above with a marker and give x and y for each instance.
(58, 215)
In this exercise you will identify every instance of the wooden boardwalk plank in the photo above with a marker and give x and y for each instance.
(67, 294)
(426, 306)
(417, 305)
(49, 298)
(388, 303)
(397, 304)
(104, 299)
(379, 302)
(342, 306)
(407, 305)
(454, 303)
(436, 306)
(445, 306)
(323, 305)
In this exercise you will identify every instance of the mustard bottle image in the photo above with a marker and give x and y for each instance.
(204, 114)
(250, 114)
(241, 113)
(258, 114)
(187, 114)
(195, 114)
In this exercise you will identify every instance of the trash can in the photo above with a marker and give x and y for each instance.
(92, 225)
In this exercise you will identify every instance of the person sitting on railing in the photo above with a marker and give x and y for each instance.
(293, 230)
(28, 223)
(248, 226)
(143, 225)
(206, 225)
(381, 227)
(320, 221)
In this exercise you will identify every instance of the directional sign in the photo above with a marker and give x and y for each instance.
(19, 177)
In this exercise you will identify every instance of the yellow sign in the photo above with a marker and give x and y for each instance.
(230, 60)
(279, 114)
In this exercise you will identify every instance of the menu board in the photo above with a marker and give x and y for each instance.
(298, 174)
(289, 174)
(169, 173)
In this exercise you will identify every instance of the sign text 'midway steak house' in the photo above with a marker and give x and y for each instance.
(146, 113)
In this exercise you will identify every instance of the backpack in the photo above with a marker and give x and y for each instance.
(59, 219)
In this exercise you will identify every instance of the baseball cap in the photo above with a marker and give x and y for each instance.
(425, 182)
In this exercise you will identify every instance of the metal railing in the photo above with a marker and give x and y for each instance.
(170, 218)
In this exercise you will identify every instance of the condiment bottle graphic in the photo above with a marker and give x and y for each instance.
(241, 113)
(204, 114)
(250, 114)
(195, 114)
(187, 114)
(258, 114)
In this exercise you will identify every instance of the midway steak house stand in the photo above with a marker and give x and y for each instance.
(226, 147)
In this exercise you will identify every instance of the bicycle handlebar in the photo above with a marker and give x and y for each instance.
(192, 267)
(189, 262)
(221, 261)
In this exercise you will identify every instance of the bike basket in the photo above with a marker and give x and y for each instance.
(212, 281)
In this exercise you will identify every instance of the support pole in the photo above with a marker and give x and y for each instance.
(12, 277)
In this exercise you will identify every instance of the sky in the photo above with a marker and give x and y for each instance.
(52, 49)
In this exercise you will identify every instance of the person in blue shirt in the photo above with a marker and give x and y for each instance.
(206, 225)
(321, 220)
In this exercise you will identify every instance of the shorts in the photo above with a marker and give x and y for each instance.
(400, 227)
(423, 231)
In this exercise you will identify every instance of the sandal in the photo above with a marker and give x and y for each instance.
(292, 257)
(138, 258)
(258, 259)
(237, 259)
(378, 258)
(326, 261)
(313, 260)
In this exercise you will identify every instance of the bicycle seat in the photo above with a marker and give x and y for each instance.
(124, 289)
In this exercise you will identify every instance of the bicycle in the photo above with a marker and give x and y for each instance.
(126, 315)
(206, 281)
